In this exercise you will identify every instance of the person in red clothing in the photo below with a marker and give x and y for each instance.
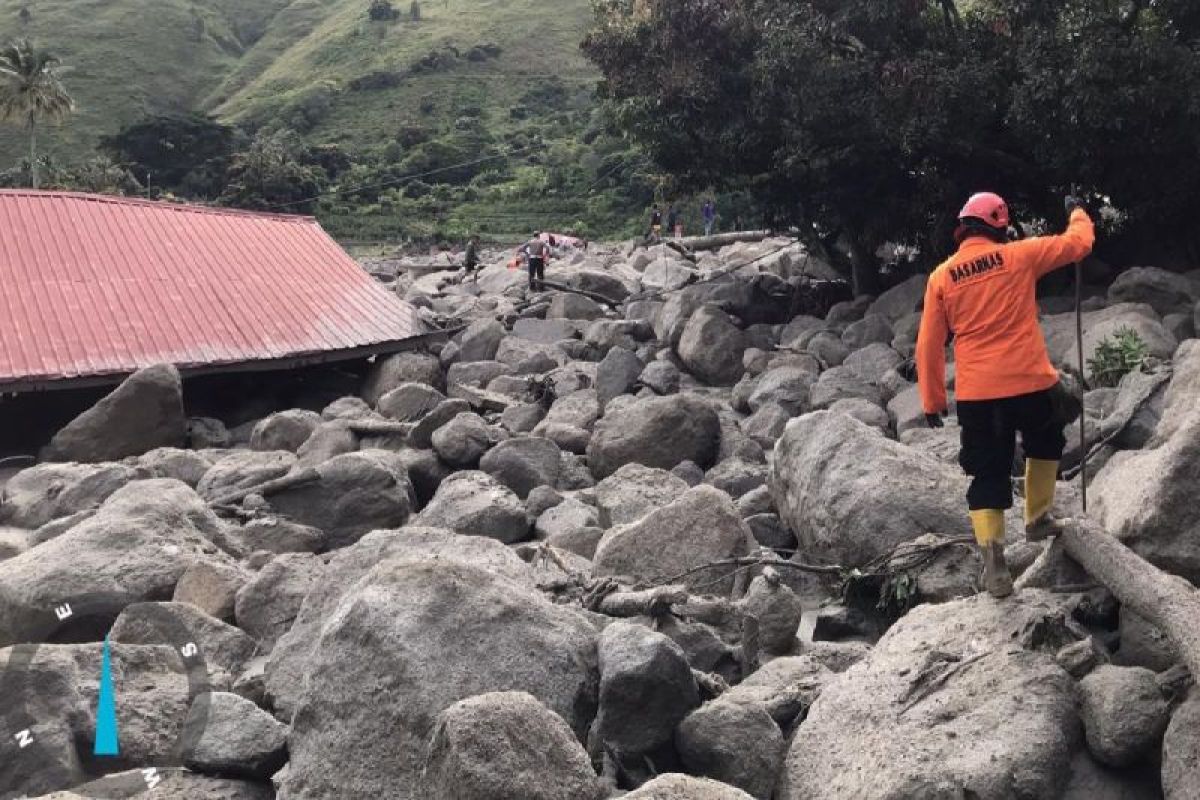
(985, 297)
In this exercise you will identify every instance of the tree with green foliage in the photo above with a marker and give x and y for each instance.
(864, 121)
(31, 91)
(382, 11)
(273, 173)
(182, 154)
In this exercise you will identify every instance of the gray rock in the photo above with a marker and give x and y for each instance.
(522, 418)
(406, 642)
(646, 689)
(797, 326)
(144, 412)
(579, 409)
(662, 377)
(523, 463)
(711, 347)
(851, 495)
(736, 477)
(567, 517)
(1059, 330)
(673, 786)
(172, 462)
(425, 472)
(211, 586)
(286, 430)
(756, 501)
(46, 492)
(616, 375)
(766, 425)
(649, 549)
(473, 375)
(476, 504)
(878, 730)
(657, 432)
(506, 746)
(1124, 714)
(524, 357)
(356, 493)
(900, 300)
(1092, 781)
(1181, 392)
(289, 660)
(1161, 290)
(544, 331)
(788, 387)
(603, 335)
(907, 328)
(267, 605)
(905, 410)
(175, 783)
(205, 433)
(142, 539)
(736, 743)
(1182, 326)
(421, 436)
(278, 535)
(480, 341)
(567, 437)
(839, 383)
(573, 306)
(688, 472)
(634, 491)
(329, 440)
(393, 371)
(244, 469)
(1143, 645)
(778, 611)
(864, 411)
(871, 329)
(462, 441)
(409, 402)
(1146, 499)
(228, 735)
(828, 347)
(598, 282)
(347, 408)
(872, 362)
(541, 500)
(1181, 751)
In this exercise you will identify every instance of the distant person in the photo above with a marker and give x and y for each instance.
(655, 222)
(673, 226)
(536, 253)
(471, 260)
(709, 212)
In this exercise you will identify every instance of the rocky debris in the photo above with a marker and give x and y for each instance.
(144, 412)
(1180, 395)
(46, 492)
(1124, 713)
(777, 611)
(1143, 645)
(661, 377)
(524, 463)
(406, 642)
(172, 462)
(616, 374)
(899, 301)
(634, 491)
(174, 784)
(656, 432)
(573, 306)
(409, 402)
(267, 605)
(476, 504)
(1163, 291)
(788, 387)
(953, 700)
(646, 689)
(647, 550)
(277, 535)
(142, 539)
(393, 371)
(285, 430)
(711, 346)
(506, 745)
(673, 786)
(1181, 751)
(228, 735)
(244, 469)
(211, 586)
(842, 383)
(480, 341)
(421, 436)
(735, 743)
(736, 477)
(205, 433)
(328, 440)
(871, 329)
(851, 494)
(1100, 325)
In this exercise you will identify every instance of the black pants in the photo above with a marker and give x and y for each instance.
(989, 441)
(537, 272)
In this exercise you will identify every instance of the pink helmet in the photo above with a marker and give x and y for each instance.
(988, 208)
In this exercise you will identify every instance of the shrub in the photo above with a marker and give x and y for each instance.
(1117, 356)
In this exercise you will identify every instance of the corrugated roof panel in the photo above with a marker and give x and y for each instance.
(93, 285)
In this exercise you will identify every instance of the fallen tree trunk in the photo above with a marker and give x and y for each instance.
(1166, 601)
(721, 239)
(599, 298)
(267, 488)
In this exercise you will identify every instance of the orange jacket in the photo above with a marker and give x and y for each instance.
(985, 295)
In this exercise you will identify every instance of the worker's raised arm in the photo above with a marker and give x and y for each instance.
(931, 351)
(1047, 253)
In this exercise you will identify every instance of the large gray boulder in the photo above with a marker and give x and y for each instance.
(573, 306)
(646, 689)
(1163, 291)
(355, 493)
(476, 504)
(656, 432)
(523, 463)
(952, 702)
(144, 412)
(788, 387)
(289, 660)
(1181, 393)
(407, 642)
(390, 372)
(1181, 752)
(228, 735)
(1147, 499)
(134, 548)
(506, 746)
(46, 492)
(462, 441)
(841, 383)
(266, 605)
(1124, 713)
(480, 341)
(711, 346)
(285, 430)
(735, 743)
(900, 300)
(410, 402)
(1059, 330)
(674, 786)
(616, 374)
(634, 491)
(699, 528)
(851, 494)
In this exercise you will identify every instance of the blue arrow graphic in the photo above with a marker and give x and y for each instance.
(106, 711)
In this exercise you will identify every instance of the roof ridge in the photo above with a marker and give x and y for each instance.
(166, 205)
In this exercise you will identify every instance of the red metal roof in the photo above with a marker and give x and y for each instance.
(101, 286)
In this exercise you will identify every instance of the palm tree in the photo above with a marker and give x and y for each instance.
(31, 91)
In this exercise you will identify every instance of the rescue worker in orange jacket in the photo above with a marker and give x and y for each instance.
(984, 297)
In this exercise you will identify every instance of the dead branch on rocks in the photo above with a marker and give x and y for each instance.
(599, 298)
(289, 481)
(719, 240)
(647, 602)
(375, 427)
(1167, 601)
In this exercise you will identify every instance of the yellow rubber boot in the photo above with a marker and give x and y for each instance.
(989, 533)
(1041, 478)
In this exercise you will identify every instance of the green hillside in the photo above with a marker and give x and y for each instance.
(469, 78)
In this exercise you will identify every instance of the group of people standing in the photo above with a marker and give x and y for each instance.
(674, 224)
